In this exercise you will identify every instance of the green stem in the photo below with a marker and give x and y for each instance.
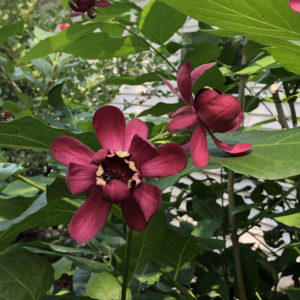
(149, 45)
(187, 293)
(126, 263)
(43, 189)
(234, 238)
(36, 185)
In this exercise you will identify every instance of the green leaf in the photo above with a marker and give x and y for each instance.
(293, 294)
(168, 181)
(19, 187)
(67, 297)
(11, 208)
(206, 228)
(102, 46)
(47, 210)
(24, 275)
(31, 133)
(9, 30)
(274, 154)
(56, 101)
(43, 66)
(105, 286)
(143, 246)
(6, 170)
(267, 62)
(159, 21)
(176, 248)
(290, 220)
(161, 108)
(135, 80)
(271, 23)
(57, 42)
(204, 53)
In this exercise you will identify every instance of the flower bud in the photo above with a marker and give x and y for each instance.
(6, 114)
(219, 112)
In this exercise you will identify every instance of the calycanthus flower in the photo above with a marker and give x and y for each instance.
(209, 110)
(114, 174)
(295, 5)
(88, 6)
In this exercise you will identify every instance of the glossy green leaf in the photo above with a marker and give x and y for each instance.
(271, 23)
(47, 210)
(161, 108)
(9, 30)
(264, 63)
(275, 154)
(104, 286)
(56, 101)
(294, 294)
(7, 169)
(11, 208)
(57, 42)
(102, 46)
(143, 246)
(159, 21)
(290, 220)
(176, 248)
(135, 80)
(67, 297)
(31, 133)
(15, 283)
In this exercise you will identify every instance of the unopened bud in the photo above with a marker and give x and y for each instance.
(6, 114)
(274, 88)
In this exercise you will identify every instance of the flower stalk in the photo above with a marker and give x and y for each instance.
(234, 238)
(126, 263)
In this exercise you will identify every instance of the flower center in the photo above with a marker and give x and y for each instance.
(117, 166)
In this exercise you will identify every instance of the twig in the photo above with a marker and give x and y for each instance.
(291, 104)
(126, 263)
(234, 237)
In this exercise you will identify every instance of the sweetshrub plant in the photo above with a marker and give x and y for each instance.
(139, 216)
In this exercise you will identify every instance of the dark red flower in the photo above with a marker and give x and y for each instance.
(88, 6)
(210, 110)
(6, 114)
(295, 5)
(63, 26)
(114, 174)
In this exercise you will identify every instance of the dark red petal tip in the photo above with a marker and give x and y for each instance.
(109, 124)
(89, 218)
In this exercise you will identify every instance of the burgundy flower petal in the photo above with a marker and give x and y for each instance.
(203, 97)
(198, 147)
(221, 113)
(66, 149)
(133, 215)
(182, 121)
(184, 82)
(148, 197)
(234, 149)
(141, 151)
(102, 3)
(171, 160)
(115, 192)
(89, 218)
(170, 86)
(135, 127)
(295, 5)
(239, 121)
(109, 124)
(74, 15)
(99, 156)
(181, 110)
(81, 178)
(196, 73)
